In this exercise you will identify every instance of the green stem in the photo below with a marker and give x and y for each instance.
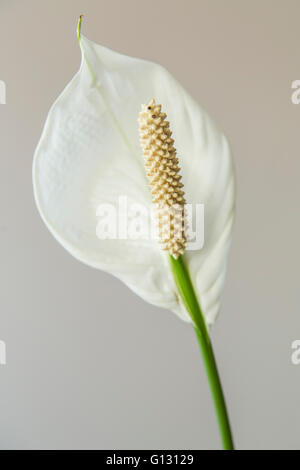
(189, 298)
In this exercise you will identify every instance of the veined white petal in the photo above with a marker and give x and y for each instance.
(89, 154)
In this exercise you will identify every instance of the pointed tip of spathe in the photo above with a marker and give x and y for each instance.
(79, 27)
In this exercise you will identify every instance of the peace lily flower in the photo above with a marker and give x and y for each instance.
(89, 154)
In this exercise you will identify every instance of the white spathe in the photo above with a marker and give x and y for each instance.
(89, 153)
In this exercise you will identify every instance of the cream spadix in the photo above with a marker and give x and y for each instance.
(164, 177)
(89, 154)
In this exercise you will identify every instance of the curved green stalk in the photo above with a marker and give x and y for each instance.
(188, 296)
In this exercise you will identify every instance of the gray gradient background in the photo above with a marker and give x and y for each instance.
(89, 364)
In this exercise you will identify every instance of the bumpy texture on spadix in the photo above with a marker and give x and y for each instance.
(89, 154)
(164, 177)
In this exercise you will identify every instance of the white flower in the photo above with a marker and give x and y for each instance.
(89, 154)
